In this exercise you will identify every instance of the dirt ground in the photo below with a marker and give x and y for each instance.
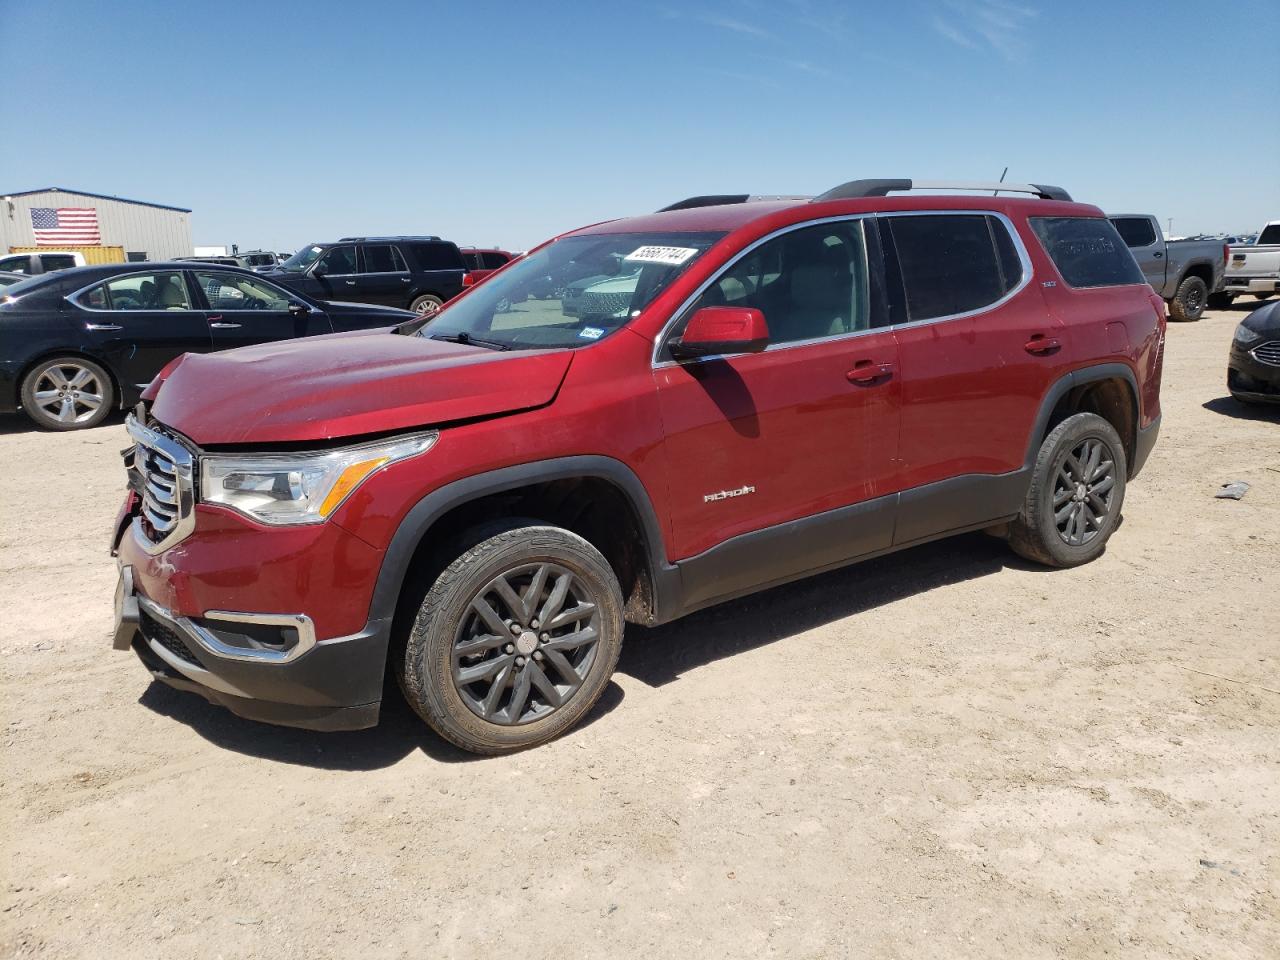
(946, 753)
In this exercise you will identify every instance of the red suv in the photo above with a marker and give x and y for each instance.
(748, 392)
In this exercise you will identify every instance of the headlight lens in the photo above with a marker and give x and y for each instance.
(1246, 336)
(300, 488)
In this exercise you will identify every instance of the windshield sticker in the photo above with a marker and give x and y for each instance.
(672, 256)
(591, 333)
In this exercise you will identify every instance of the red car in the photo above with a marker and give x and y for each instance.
(481, 263)
(748, 392)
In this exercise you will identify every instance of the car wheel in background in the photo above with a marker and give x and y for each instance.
(1076, 493)
(1190, 300)
(67, 393)
(426, 305)
(515, 640)
(1220, 301)
(1264, 296)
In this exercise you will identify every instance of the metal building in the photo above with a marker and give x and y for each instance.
(105, 229)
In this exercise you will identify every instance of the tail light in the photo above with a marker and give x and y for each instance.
(468, 280)
(1226, 253)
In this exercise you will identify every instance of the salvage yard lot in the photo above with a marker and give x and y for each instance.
(944, 753)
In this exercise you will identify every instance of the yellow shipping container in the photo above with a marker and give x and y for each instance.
(91, 254)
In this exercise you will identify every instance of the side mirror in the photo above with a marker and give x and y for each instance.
(299, 309)
(716, 330)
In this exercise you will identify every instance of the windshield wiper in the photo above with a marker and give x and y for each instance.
(468, 340)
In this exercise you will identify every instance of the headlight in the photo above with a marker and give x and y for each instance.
(1246, 336)
(284, 488)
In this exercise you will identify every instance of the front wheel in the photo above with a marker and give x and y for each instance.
(1190, 300)
(426, 305)
(515, 640)
(67, 393)
(1220, 301)
(1076, 493)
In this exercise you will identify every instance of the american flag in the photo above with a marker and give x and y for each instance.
(65, 226)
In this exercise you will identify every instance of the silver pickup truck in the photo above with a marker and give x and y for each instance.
(1184, 272)
(1255, 267)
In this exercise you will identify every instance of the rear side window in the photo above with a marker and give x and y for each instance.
(382, 259)
(1135, 231)
(954, 263)
(1087, 251)
(471, 259)
(1270, 234)
(492, 260)
(437, 256)
(57, 261)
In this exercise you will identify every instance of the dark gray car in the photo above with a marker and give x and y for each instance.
(1186, 273)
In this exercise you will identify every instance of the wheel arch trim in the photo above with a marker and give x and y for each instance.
(1068, 382)
(416, 525)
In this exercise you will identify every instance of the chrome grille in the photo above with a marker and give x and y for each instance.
(164, 479)
(1268, 353)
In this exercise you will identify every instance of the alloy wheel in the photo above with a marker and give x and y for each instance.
(68, 392)
(525, 644)
(1084, 491)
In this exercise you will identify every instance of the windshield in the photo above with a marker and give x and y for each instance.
(572, 292)
(303, 258)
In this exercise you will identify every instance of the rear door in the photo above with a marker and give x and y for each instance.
(1139, 235)
(242, 309)
(437, 268)
(141, 321)
(384, 277)
(978, 349)
(757, 440)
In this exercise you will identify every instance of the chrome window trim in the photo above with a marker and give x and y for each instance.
(71, 297)
(1024, 257)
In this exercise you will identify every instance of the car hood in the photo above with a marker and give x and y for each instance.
(347, 385)
(1264, 320)
(393, 314)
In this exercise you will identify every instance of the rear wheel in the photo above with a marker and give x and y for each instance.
(1220, 301)
(1190, 300)
(1263, 296)
(1076, 493)
(515, 640)
(426, 305)
(67, 393)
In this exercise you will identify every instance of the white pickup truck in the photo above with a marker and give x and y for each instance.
(1254, 267)
(46, 261)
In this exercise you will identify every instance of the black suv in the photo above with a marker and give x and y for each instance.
(414, 273)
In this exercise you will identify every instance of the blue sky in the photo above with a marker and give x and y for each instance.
(282, 123)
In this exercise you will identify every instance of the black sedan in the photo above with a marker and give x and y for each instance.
(77, 343)
(1253, 371)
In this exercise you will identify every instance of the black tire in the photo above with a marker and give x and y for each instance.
(1220, 301)
(1264, 296)
(67, 393)
(1245, 401)
(1036, 533)
(1190, 300)
(434, 663)
(427, 305)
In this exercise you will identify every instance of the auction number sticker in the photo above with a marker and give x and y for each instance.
(591, 333)
(672, 256)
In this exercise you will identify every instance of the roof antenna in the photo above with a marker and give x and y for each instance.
(996, 193)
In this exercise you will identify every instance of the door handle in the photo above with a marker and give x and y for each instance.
(866, 372)
(103, 326)
(351, 283)
(1041, 346)
(221, 325)
(1157, 254)
(406, 279)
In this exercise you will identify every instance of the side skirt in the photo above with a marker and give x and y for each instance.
(826, 541)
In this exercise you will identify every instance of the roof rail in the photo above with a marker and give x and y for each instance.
(856, 189)
(396, 237)
(716, 199)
